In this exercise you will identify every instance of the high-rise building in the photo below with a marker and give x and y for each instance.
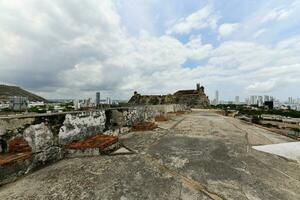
(217, 97)
(76, 104)
(253, 100)
(237, 100)
(247, 101)
(108, 101)
(18, 102)
(87, 103)
(266, 98)
(290, 100)
(97, 98)
(260, 101)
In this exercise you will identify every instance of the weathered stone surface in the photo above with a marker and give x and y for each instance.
(117, 131)
(193, 98)
(46, 135)
(131, 116)
(117, 118)
(148, 113)
(10, 173)
(75, 153)
(51, 154)
(81, 126)
(197, 156)
(13, 125)
(39, 137)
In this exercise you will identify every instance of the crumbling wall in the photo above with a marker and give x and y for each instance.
(81, 126)
(45, 137)
(148, 113)
(27, 143)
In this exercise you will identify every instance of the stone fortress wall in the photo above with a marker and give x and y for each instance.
(195, 98)
(39, 139)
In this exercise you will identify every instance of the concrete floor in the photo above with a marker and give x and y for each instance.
(194, 156)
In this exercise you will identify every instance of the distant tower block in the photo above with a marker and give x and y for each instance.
(237, 100)
(97, 98)
(217, 97)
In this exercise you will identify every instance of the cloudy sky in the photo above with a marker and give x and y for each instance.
(73, 48)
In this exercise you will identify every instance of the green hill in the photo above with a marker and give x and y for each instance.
(6, 91)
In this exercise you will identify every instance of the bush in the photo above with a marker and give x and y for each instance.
(255, 119)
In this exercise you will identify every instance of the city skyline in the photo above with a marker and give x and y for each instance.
(253, 99)
(58, 49)
(244, 98)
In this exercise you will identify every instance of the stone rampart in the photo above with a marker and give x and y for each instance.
(28, 142)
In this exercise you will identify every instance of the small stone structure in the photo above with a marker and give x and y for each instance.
(31, 141)
(193, 98)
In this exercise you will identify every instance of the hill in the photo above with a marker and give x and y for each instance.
(6, 91)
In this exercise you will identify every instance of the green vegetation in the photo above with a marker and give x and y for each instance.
(123, 104)
(9, 110)
(37, 110)
(295, 132)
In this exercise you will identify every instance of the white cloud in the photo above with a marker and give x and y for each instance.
(203, 18)
(259, 68)
(228, 29)
(75, 52)
(259, 33)
(265, 86)
(70, 34)
(277, 15)
(82, 48)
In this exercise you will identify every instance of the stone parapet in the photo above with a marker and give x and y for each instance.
(28, 142)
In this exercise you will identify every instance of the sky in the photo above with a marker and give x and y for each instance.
(73, 48)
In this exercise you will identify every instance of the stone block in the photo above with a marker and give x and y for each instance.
(39, 137)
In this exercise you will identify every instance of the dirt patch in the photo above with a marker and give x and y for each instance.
(160, 118)
(18, 145)
(144, 126)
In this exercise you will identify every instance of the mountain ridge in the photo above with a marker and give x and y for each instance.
(7, 91)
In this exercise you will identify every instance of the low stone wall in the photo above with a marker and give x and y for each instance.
(82, 125)
(29, 142)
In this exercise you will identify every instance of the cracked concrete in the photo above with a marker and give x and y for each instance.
(199, 155)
